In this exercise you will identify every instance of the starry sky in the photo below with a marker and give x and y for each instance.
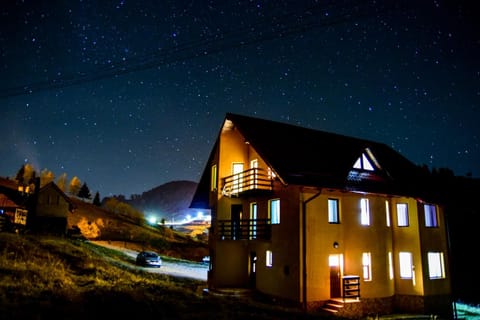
(129, 95)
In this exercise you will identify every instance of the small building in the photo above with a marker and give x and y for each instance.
(50, 210)
(322, 220)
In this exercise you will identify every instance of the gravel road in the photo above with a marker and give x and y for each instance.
(194, 270)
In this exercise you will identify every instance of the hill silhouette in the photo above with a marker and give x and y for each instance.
(169, 201)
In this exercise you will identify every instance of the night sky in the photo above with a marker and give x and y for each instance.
(129, 95)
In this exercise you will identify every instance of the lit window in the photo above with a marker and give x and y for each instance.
(387, 213)
(390, 265)
(274, 211)
(333, 216)
(436, 265)
(406, 265)
(268, 258)
(253, 221)
(270, 173)
(365, 212)
(430, 216)
(363, 163)
(367, 266)
(402, 215)
(213, 178)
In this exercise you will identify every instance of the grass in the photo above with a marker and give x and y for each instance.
(55, 278)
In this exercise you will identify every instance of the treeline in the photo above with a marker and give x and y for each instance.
(27, 175)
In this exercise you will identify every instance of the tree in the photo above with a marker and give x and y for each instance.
(74, 186)
(62, 181)
(96, 199)
(84, 192)
(46, 176)
(26, 175)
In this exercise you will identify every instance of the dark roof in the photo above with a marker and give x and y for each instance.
(308, 157)
(53, 185)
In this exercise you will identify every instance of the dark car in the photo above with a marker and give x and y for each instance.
(148, 259)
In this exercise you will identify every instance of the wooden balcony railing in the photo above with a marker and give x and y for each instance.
(243, 229)
(249, 180)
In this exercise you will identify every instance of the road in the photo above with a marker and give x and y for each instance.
(193, 270)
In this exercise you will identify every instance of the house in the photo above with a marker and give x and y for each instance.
(13, 205)
(322, 220)
(49, 210)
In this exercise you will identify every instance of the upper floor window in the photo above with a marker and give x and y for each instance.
(406, 265)
(436, 265)
(252, 233)
(430, 216)
(387, 213)
(274, 211)
(213, 178)
(366, 161)
(364, 212)
(402, 215)
(333, 214)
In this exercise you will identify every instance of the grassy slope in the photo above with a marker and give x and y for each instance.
(56, 278)
(98, 224)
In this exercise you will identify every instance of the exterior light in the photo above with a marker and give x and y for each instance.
(335, 245)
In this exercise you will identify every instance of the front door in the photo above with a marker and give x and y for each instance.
(335, 275)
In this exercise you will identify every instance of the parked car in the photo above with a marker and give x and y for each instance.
(148, 259)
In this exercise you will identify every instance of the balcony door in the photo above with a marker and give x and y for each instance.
(237, 171)
(253, 175)
(236, 214)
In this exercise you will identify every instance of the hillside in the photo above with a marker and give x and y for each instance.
(96, 223)
(168, 201)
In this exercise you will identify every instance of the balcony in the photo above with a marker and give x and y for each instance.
(247, 182)
(250, 229)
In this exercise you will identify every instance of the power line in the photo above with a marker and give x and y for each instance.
(271, 28)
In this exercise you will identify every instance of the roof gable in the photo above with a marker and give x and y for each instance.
(317, 158)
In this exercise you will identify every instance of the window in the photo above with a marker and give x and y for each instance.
(268, 258)
(274, 211)
(406, 265)
(213, 178)
(252, 232)
(402, 215)
(333, 216)
(387, 213)
(367, 266)
(364, 212)
(430, 216)
(390, 265)
(363, 163)
(436, 265)
(254, 176)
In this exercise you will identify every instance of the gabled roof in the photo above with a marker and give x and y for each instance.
(308, 157)
(52, 185)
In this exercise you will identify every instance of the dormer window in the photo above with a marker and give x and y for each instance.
(366, 162)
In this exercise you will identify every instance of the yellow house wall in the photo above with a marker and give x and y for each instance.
(353, 239)
(407, 239)
(435, 240)
(282, 279)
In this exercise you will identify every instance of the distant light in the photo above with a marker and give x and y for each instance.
(152, 220)
(199, 215)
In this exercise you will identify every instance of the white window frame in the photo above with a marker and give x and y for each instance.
(268, 258)
(406, 265)
(402, 215)
(431, 216)
(387, 213)
(213, 178)
(333, 211)
(367, 266)
(274, 211)
(252, 232)
(364, 212)
(436, 265)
